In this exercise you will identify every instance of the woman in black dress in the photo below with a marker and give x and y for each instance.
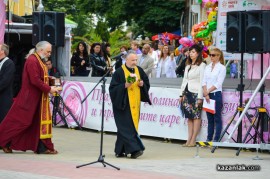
(80, 61)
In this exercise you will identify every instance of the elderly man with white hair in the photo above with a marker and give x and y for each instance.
(28, 124)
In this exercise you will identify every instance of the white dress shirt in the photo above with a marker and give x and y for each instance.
(123, 60)
(214, 77)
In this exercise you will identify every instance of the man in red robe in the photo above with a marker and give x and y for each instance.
(28, 124)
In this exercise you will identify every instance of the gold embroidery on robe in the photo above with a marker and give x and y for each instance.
(134, 96)
(45, 113)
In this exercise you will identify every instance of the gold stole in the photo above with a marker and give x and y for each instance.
(134, 96)
(45, 113)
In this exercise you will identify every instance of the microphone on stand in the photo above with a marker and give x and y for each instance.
(119, 55)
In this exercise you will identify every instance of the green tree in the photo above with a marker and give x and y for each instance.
(151, 16)
(102, 30)
(67, 6)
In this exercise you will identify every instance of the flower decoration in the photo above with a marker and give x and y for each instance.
(131, 78)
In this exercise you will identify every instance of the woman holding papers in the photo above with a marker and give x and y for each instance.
(191, 93)
(213, 79)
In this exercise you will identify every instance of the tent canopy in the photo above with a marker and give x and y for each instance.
(70, 23)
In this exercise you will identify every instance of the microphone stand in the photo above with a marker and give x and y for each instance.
(101, 155)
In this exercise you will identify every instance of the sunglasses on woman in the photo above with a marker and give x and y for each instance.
(213, 55)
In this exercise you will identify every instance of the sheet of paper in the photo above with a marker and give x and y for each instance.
(209, 107)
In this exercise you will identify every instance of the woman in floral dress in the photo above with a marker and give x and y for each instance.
(191, 93)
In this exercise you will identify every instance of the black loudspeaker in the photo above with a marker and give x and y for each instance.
(54, 28)
(37, 27)
(257, 31)
(235, 37)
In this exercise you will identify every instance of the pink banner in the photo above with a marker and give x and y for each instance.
(162, 118)
(254, 67)
(2, 20)
(230, 104)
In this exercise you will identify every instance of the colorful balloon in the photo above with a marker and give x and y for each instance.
(177, 51)
(204, 54)
(212, 26)
(207, 41)
(209, 3)
(186, 42)
(212, 16)
(203, 34)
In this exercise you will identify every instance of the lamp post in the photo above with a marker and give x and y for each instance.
(40, 7)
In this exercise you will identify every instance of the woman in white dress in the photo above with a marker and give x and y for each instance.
(166, 64)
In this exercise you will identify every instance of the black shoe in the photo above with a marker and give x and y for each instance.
(136, 154)
(120, 155)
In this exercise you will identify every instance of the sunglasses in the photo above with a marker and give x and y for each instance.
(213, 55)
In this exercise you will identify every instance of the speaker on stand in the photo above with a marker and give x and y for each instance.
(49, 26)
(37, 27)
(257, 41)
(257, 31)
(235, 43)
(54, 28)
(249, 32)
(54, 31)
(235, 39)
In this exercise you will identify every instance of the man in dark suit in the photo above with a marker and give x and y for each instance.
(119, 61)
(7, 71)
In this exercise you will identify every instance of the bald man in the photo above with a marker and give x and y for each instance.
(145, 61)
(126, 99)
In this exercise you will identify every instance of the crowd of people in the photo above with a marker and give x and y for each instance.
(26, 124)
(156, 63)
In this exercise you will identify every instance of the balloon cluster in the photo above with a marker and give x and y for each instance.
(202, 32)
(208, 3)
(184, 42)
(163, 38)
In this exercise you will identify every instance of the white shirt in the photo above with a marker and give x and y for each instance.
(154, 55)
(214, 77)
(168, 67)
(123, 60)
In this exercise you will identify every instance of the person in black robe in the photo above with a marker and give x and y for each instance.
(128, 140)
(7, 72)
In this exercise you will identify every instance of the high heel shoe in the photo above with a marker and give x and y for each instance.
(185, 145)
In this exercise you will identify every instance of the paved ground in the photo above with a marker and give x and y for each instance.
(160, 160)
